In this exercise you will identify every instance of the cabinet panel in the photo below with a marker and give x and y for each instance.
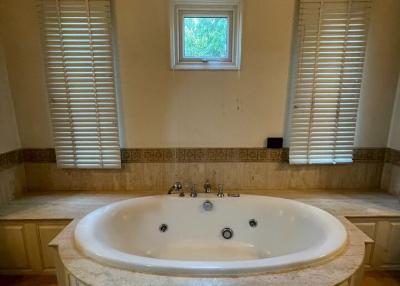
(392, 250)
(46, 234)
(12, 247)
(369, 249)
(369, 229)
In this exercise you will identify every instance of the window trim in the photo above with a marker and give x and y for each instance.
(232, 9)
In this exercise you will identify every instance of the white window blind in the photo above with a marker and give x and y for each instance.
(80, 81)
(331, 44)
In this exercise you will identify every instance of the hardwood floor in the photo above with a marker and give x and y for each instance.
(371, 279)
(380, 278)
(45, 280)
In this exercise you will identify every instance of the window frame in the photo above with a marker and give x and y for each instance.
(230, 9)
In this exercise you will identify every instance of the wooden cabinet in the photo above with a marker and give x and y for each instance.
(369, 228)
(384, 253)
(392, 251)
(24, 246)
(387, 245)
(46, 234)
(13, 251)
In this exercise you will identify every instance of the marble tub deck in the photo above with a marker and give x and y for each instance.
(72, 206)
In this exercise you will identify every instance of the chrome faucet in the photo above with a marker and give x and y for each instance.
(193, 192)
(177, 187)
(207, 187)
(220, 193)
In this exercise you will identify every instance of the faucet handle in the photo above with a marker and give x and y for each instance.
(193, 192)
(179, 188)
(207, 187)
(220, 193)
(175, 187)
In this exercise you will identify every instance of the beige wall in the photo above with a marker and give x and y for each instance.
(203, 108)
(12, 179)
(9, 138)
(163, 108)
(19, 26)
(394, 137)
(391, 172)
(381, 73)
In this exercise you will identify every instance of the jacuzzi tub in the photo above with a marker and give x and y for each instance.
(173, 235)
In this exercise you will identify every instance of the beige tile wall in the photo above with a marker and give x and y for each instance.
(12, 183)
(156, 178)
(391, 178)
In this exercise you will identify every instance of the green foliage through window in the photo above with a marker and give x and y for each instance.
(206, 37)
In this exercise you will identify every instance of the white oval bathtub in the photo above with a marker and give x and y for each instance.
(287, 233)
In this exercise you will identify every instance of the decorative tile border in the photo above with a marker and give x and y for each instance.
(147, 155)
(369, 154)
(189, 155)
(192, 155)
(392, 156)
(47, 155)
(10, 159)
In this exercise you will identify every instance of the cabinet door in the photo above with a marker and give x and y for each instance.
(46, 233)
(386, 254)
(392, 250)
(13, 250)
(369, 229)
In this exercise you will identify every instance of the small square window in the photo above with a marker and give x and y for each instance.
(205, 35)
(205, 38)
